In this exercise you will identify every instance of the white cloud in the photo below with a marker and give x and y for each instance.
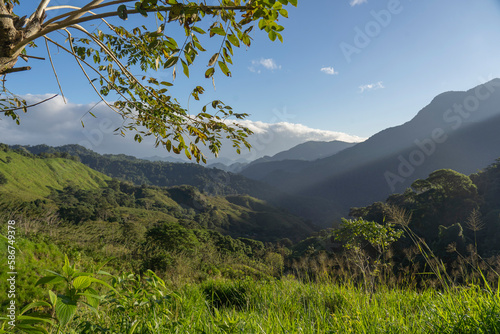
(271, 138)
(357, 2)
(373, 86)
(329, 71)
(267, 63)
(55, 123)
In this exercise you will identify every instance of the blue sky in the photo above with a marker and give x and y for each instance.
(401, 62)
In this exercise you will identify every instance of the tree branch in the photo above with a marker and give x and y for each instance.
(87, 7)
(81, 10)
(37, 15)
(31, 105)
(88, 78)
(64, 24)
(84, 62)
(54, 70)
(16, 69)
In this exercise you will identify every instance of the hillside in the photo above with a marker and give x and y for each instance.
(28, 177)
(81, 196)
(206, 180)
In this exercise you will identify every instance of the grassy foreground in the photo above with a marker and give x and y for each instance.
(146, 304)
(289, 306)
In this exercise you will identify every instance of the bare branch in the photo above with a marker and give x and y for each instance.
(87, 7)
(16, 69)
(74, 7)
(86, 75)
(54, 70)
(65, 24)
(86, 63)
(82, 10)
(37, 15)
(31, 105)
(32, 57)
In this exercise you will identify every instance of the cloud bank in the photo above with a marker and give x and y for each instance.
(55, 123)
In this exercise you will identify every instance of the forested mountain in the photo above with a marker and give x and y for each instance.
(455, 215)
(81, 195)
(208, 181)
(457, 130)
(308, 151)
(449, 208)
(312, 150)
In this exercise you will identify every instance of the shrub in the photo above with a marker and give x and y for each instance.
(226, 294)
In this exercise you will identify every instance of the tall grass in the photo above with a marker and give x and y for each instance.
(290, 306)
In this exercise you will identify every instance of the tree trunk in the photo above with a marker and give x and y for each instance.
(12, 32)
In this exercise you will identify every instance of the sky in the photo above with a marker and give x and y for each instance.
(346, 70)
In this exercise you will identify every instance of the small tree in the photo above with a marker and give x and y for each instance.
(111, 55)
(360, 235)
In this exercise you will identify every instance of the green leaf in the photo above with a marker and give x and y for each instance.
(33, 305)
(82, 282)
(209, 72)
(49, 280)
(199, 30)
(67, 269)
(279, 37)
(218, 31)
(185, 68)
(52, 297)
(102, 283)
(122, 12)
(272, 35)
(293, 2)
(234, 40)
(92, 298)
(224, 68)
(65, 310)
(33, 320)
(171, 62)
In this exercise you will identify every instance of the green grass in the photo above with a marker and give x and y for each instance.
(31, 178)
(290, 306)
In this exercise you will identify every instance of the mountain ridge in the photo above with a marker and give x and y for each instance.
(358, 175)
